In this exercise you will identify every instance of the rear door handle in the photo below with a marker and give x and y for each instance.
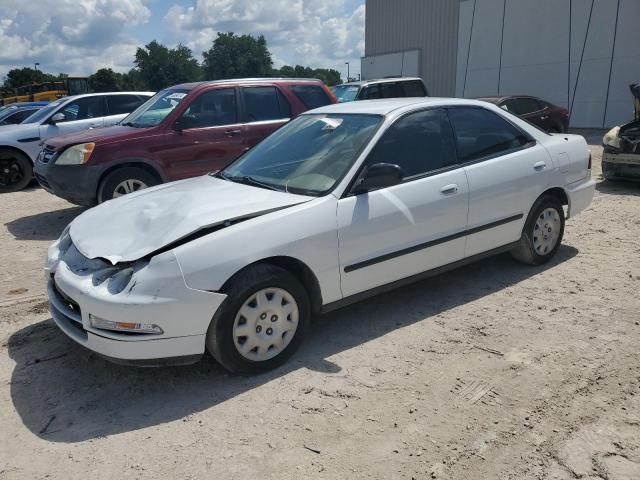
(231, 133)
(540, 165)
(449, 189)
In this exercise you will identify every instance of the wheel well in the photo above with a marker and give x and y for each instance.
(14, 149)
(299, 270)
(144, 166)
(559, 193)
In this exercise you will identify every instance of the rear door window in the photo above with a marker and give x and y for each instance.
(312, 96)
(84, 108)
(265, 103)
(213, 108)
(119, 104)
(391, 90)
(526, 105)
(481, 133)
(414, 88)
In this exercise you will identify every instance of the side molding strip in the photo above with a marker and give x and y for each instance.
(432, 243)
(27, 140)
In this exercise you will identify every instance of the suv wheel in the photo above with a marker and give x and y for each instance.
(16, 171)
(262, 321)
(123, 181)
(542, 234)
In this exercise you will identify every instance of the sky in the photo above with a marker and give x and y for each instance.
(79, 36)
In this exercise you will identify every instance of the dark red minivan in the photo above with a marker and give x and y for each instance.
(181, 132)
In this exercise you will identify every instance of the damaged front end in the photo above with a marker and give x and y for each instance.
(130, 312)
(621, 155)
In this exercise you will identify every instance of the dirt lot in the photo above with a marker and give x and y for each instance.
(496, 370)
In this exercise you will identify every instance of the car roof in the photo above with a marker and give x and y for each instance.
(84, 95)
(238, 81)
(389, 105)
(361, 83)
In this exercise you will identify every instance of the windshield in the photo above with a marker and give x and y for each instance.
(156, 109)
(346, 93)
(307, 156)
(4, 113)
(43, 113)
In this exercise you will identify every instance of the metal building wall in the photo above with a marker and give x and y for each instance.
(580, 54)
(428, 25)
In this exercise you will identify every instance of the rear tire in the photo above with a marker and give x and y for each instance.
(542, 233)
(261, 323)
(16, 171)
(125, 180)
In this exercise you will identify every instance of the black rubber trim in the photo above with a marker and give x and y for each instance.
(414, 278)
(29, 139)
(438, 241)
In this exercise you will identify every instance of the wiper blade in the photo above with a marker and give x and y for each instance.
(247, 180)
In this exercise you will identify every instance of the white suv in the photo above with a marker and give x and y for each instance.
(20, 144)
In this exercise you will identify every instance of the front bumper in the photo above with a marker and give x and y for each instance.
(75, 183)
(622, 166)
(155, 294)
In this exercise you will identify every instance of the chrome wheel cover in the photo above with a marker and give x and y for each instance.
(128, 186)
(265, 324)
(546, 231)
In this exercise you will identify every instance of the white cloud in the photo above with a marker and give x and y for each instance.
(307, 32)
(71, 36)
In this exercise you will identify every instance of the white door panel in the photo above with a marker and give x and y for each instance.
(113, 119)
(501, 192)
(393, 233)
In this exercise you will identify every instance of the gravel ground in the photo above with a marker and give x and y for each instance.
(496, 370)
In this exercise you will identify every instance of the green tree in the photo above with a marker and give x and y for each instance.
(105, 80)
(23, 76)
(161, 67)
(237, 56)
(329, 76)
(133, 81)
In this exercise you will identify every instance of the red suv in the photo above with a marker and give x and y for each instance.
(181, 132)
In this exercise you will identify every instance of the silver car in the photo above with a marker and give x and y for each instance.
(20, 144)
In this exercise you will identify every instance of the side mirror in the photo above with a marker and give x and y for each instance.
(378, 175)
(183, 123)
(58, 117)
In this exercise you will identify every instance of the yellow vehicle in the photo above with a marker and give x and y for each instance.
(46, 91)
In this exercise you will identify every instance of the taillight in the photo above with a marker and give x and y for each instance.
(564, 112)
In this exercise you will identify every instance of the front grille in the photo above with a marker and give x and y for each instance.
(72, 309)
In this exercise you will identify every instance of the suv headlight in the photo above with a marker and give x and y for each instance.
(76, 155)
(611, 138)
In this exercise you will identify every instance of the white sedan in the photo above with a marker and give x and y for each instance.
(344, 202)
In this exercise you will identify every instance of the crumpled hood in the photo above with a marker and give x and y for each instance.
(133, 226)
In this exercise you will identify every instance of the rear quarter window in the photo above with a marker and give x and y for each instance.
(312, 96)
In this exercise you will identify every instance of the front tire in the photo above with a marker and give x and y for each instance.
(261, 323)
(16, 171)
(123, 181)
(542, 233)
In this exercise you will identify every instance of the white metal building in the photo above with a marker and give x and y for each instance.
(579, 54)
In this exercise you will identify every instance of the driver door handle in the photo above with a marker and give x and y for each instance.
(232, 132)
(449, 189)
